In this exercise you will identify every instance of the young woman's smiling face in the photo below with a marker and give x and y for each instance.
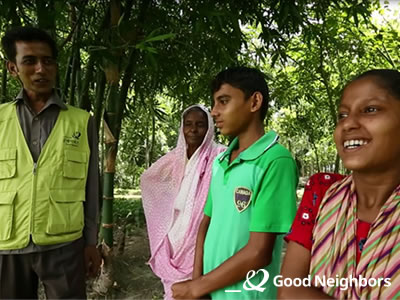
(367, 134)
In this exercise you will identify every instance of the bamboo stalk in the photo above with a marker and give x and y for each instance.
(3, 84)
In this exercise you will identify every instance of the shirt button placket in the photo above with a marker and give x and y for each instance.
(35, 137)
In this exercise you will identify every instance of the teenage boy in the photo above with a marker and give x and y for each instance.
(48, 179)
(252, 197)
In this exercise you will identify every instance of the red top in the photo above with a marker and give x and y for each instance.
(304, 221)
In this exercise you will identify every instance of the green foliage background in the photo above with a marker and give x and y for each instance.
(137, 64)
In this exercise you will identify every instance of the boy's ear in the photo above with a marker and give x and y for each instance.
(12, 68)
(256, 101)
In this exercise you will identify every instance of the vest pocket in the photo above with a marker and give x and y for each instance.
(75, 164)
(65, 211)
(8, 159)
(6, 214)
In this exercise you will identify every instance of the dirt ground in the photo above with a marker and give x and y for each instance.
(133, 278)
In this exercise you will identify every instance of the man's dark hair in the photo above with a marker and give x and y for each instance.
(387, 79)
(248, 80)
(25, 34)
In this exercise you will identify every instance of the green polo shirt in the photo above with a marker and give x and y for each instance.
(256, 192)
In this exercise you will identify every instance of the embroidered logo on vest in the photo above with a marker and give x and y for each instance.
(72, 140)
(76, 135)
(242, 198)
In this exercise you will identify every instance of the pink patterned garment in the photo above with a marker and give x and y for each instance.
(162, 189)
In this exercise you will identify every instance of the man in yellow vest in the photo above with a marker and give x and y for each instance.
(48, 179)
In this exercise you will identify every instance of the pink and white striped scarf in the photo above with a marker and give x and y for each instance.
(172, 261)
(333, 253)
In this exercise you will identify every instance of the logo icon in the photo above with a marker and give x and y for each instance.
(76, 135)
(73, 140)
(242, 198)
(248, 285)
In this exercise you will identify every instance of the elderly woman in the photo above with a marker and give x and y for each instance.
(347, 229)
(174, 191)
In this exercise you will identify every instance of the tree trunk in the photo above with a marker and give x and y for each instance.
(71, 99)
(76, 65)
(3, 84)
(112, 71)
(147, 153)
(115, 107)
(67, 77)
(111, 144)
(316, 156)
(84, 99)
(46, 16)
(99, 98)
(153, 138)
(15, 20)
(337, 163)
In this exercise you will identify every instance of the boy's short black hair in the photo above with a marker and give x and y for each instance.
(25, 34)
(248, 80)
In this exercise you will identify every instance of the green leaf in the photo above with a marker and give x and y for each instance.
(143, 47)
(161, 37)
(274, 58)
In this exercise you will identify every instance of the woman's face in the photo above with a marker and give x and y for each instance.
(367, 134)
(195, 126)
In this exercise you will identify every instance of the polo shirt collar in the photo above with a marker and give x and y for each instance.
(259, 147)
(54, 99)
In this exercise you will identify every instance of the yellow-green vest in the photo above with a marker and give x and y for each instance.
(44, 199)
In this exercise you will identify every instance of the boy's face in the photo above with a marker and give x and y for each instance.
(232, 112)
(35, 67)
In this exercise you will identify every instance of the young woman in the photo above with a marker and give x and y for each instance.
(349, 227)
(174, 191)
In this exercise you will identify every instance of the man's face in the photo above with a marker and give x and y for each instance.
(35, 67)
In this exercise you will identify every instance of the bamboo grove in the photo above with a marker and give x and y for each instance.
(135, 64)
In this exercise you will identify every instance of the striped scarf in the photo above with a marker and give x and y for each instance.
(333, 253)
